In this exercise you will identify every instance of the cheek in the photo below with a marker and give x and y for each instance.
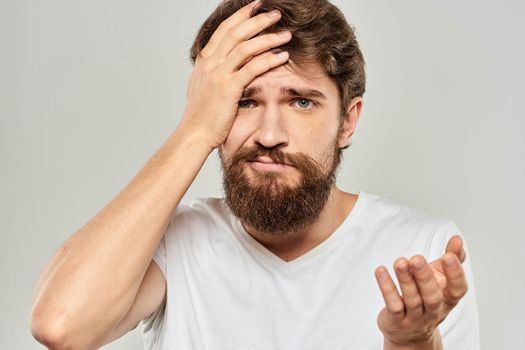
(315, 135)
(316, 140)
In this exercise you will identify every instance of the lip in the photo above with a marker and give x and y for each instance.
(266, 160)
(277, 167)
(267, 164)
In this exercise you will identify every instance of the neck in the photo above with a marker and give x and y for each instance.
(289, 246)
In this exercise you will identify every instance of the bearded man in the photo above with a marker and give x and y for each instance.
(286, 260)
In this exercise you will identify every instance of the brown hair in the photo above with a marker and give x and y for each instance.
(320, 33)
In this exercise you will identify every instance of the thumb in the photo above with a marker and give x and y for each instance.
(455, 245)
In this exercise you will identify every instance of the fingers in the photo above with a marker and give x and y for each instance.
(244, 31)
(258, 65)
(238, 17)
(455, 245)
(393, 301)
(409, 289)
(428, 287)
(456, 281)
(423, 300)
(248, 49)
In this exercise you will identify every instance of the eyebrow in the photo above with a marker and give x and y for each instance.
(287, 91)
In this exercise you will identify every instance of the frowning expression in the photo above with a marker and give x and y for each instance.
(291, 108)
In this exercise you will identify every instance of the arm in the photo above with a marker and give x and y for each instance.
(79, 299)
(80, 288)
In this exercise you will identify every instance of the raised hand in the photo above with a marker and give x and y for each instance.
(232, 58)
(429, 291)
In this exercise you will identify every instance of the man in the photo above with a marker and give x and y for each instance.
(286, 260)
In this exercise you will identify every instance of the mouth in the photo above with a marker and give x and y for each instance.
(268, 164)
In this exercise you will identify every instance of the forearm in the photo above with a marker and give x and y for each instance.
(91, 281)
(434, 343)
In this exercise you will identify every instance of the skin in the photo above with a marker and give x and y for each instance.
(232, 62)
(429, 291)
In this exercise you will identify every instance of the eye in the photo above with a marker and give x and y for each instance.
(302, 103)
(245, 104)
(305, 103)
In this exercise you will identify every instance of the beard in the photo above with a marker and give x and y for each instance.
(270, 205)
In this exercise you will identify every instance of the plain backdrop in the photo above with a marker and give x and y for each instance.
(89, 90)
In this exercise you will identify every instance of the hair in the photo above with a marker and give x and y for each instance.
(320, 33)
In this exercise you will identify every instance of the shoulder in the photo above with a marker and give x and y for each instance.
(397, 223)
(389, 211)
(201, 208)
(203, 214)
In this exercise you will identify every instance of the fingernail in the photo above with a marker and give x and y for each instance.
(284, 33)
(273, 14)
(419, 264)
(383, 275)
(450, 261)
(255, 3)
(282, 54)
(403, 268)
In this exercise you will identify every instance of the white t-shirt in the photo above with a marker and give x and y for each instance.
(225, 290)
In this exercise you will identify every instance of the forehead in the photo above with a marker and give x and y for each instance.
(306, 75)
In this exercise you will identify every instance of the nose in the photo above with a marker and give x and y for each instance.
(271, 130)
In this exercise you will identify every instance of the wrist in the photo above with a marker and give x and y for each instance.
(193, 136)
(432, 342)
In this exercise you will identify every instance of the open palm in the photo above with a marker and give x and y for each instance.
(429, 291)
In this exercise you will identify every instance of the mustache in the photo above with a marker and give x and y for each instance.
(251, 154)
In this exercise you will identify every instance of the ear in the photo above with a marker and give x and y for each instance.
(350, 121)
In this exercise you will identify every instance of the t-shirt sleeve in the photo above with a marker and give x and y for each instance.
(152, 324)
(460, 329)
(160, 256)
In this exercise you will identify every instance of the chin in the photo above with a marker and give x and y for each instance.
(275, 180)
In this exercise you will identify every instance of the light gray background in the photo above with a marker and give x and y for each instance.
(90, 89)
